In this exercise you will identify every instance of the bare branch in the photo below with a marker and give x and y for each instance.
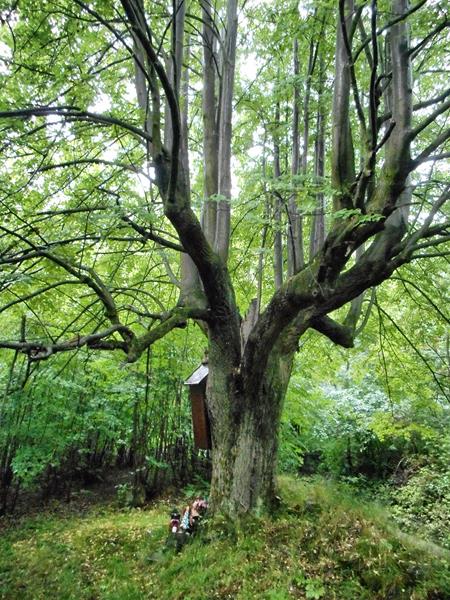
(411, 242)
(42, 351)
(418, 47)
(95, 161)
(132, 12)
(74, 113)
(173, 319)
(432, 243)
(397, 19)
(337, 333)
(148, 234)
(418, 106)
(423, 156)
(430, 119)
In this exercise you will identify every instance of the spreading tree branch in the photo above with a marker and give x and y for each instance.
(74, 114)
(42, 351)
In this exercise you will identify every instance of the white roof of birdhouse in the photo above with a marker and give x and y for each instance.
(198, 375)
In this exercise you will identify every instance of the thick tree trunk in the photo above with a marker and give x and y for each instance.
(245, 434)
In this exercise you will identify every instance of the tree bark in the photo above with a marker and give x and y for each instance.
(210, 125)
(295, 258)
(222, 237)
(278, 206)
(245, 423)
(191, 292)
(318, 221)
(343, 157)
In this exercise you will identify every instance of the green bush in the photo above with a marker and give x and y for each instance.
(423, 502)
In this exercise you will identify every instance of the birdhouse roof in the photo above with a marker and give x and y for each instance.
(198, 375)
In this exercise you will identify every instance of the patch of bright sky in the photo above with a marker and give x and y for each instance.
(304, 8)
(101, 104)
(55, 127)
(5, 57)
(130, 92)
(139, 184)
(51, 120)
(249, 66)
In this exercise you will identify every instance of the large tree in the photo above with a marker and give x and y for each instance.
(103, 148)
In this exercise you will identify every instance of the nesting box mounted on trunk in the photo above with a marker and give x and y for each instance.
(200, 418)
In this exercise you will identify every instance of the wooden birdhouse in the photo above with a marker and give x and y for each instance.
(200, 417)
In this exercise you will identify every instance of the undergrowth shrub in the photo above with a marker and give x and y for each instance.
(423, 502)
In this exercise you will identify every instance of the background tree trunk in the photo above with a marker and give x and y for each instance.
(295, 257)
(318, 221)
(278, 205)
(222, 238)
(210, 125)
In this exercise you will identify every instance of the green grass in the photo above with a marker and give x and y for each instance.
(324, 544)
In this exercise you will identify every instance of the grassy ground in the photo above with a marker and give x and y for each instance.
(324, 544)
